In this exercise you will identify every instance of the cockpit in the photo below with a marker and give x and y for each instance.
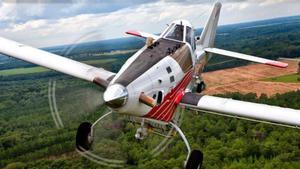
(180, 31)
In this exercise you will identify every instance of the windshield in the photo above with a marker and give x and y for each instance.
(176, 33)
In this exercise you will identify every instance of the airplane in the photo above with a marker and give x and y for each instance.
(158, 79)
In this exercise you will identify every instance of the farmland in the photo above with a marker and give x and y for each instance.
(255, 78)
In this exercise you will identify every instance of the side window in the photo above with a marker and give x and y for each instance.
(188, 37)
(193, 40)
(159, 97)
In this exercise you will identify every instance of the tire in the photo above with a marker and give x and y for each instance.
(200, 87)
(195, 160)
(83, 142)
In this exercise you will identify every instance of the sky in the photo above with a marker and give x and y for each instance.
(43, 23)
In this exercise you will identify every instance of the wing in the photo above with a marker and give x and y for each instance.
(245, 57)
(142, 34)
(243, 110)
(55, 62)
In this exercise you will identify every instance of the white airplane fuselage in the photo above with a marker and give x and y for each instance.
(159, 71)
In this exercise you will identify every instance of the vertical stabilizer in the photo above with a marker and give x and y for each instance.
(208, 34)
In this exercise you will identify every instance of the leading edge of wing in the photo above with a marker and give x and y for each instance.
(55, 62)
(244, 110)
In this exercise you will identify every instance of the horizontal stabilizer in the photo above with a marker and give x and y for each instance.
(142, 34)
(246, 57)
(241, 109)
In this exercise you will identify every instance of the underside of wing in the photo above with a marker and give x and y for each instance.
(242, 109)
(55, 62)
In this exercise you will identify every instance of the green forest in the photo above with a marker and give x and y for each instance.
(29, 137)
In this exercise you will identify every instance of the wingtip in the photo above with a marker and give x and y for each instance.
(135, 33)
(277, 64)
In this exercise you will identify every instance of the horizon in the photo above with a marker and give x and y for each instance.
(129, 36)
(44, 23)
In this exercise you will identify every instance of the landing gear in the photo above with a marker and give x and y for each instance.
(84, 137)
(195, 158)
(199, 84)
(200, 87)
(141, 133)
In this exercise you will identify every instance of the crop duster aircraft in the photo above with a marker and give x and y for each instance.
(157, 79)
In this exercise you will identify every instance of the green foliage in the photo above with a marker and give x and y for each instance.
(294, 78)
(29, 138)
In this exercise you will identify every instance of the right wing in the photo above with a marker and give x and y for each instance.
(55, 62)
(241, 109)
(245, 57)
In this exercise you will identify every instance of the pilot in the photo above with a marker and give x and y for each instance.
(179, 33)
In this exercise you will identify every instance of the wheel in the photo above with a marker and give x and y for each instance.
(195, 160)
(200, 87)
(83, 136)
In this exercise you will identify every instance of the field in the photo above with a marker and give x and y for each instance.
(252, 79)
(293, 78)
(38, 69)
(18, 71)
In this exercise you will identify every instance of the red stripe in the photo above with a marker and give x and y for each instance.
(166, 109)
(277, 64)
(134, 33)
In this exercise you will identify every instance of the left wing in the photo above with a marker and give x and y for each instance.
(55, 62)
(142, 34)
(242, 109)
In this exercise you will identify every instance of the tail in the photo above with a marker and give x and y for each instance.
(205, 45)
(207, 38)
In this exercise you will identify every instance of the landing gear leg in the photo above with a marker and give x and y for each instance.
(141, 132)
(194, 158)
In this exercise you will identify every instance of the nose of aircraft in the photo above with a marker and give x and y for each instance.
(115, 96)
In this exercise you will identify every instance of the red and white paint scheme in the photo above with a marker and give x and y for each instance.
(160, 77)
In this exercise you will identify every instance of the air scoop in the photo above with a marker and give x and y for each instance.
(115, 96)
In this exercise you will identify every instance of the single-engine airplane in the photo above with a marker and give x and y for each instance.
(158, 78)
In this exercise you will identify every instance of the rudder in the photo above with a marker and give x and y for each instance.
(208, 34)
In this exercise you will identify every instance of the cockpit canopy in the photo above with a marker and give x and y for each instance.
(181, 31)
(175, 32)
